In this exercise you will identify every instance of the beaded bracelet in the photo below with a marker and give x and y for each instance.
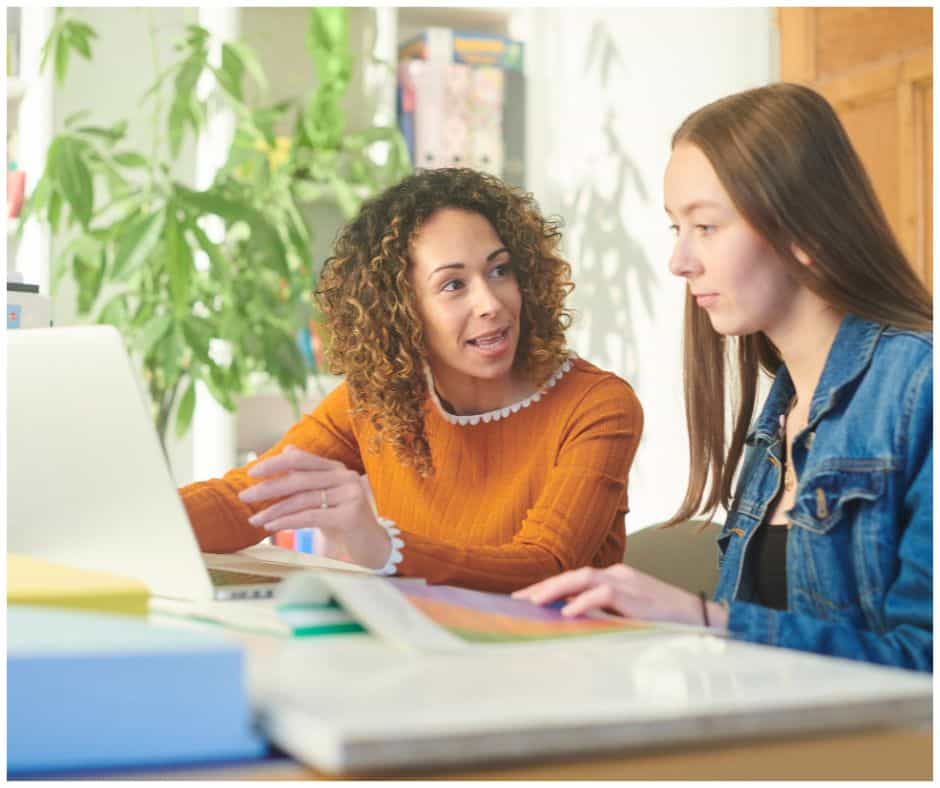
(395, 556)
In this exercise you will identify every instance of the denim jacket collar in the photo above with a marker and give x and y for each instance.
(850, 354)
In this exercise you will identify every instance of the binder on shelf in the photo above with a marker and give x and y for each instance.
(514, 128)
(462, 99)
(95, 691)
(487, 110)
(461, 46)
(406, 103)
(33, 581)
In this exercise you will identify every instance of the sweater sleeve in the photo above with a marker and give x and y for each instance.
(217, 515)
(582, 501)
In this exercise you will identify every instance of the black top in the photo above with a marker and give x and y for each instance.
(768, 551)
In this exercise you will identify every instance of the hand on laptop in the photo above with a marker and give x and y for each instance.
(307, 491)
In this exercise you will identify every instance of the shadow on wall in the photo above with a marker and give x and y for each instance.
(612, 271)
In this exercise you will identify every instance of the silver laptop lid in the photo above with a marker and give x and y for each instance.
(87, 481)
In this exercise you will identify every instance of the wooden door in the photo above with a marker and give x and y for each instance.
(875, 65)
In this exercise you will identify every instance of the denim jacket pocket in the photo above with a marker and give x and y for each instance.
(731, 529)
(835, 489)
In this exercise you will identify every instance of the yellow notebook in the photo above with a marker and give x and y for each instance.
(33, 581)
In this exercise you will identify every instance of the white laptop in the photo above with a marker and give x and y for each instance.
(87, 481)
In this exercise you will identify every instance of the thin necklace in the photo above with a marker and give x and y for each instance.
(789, 474)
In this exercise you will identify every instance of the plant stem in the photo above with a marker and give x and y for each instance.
(166, 399)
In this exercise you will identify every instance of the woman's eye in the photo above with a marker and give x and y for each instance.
(674, 229)
(501, 270)
(451, 285)
(705, 229)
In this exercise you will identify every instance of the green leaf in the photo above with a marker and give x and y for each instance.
(75, 117)
(132, 159)
(346, 197)
(113, 134)
(217, 263)
(175, 123)
(179, 264)
(136, 243)
(89, 273)
(51, 43)
(230, 75)
(78, 40)
(219, 386)
(114, 311)
(188, 76)
(55, 209)
(248, 60)
(184, 413)
(61, 58)
(161, 78)
(198, 333)
(152, 333)
(73, 177)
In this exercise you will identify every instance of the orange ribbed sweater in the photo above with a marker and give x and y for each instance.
(511, 501)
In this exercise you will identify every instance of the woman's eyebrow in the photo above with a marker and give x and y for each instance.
(684, 210)
(491, 256)
(446, 266)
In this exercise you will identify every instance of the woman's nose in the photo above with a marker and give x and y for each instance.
(682, 261)
(487, 303)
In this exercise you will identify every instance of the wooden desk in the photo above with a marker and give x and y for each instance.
(886, 754)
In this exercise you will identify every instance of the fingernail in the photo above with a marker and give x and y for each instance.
(567, 611)
(254, 519)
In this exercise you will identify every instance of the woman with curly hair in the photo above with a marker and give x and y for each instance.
(466, 445)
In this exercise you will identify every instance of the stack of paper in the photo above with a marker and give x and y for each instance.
(412, 711)
(94, 690)
(33, 581)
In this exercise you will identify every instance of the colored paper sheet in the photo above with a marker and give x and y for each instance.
(482, 616)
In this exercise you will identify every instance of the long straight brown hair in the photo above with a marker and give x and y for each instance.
(786, 162)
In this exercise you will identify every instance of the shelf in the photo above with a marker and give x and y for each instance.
(16, 89)
(483, 20)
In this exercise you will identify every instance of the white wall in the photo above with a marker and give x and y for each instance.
(607, 87)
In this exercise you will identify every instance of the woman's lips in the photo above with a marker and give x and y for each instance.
(492, 344)
(706, 299)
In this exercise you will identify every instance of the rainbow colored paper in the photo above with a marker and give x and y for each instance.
(482, 616)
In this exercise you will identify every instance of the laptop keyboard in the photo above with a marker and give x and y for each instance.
(228, 577)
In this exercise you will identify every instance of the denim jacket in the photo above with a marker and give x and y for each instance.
(860, 546)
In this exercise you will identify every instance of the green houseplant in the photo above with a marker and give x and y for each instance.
(207, 285)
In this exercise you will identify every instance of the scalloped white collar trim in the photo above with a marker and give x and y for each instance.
(499, 413)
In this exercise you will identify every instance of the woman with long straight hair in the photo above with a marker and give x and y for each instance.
(793, 271)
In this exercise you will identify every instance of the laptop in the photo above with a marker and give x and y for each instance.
(87, 481)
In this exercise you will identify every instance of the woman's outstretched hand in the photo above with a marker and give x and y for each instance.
(625, 591)
(314, 492)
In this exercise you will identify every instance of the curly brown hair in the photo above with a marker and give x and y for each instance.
(377, 338)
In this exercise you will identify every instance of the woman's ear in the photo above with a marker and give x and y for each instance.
(800, 255)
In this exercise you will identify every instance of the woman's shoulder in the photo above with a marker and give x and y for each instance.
(590, 384)
(905, 345)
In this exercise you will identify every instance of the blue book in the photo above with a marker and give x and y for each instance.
(96, 691)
